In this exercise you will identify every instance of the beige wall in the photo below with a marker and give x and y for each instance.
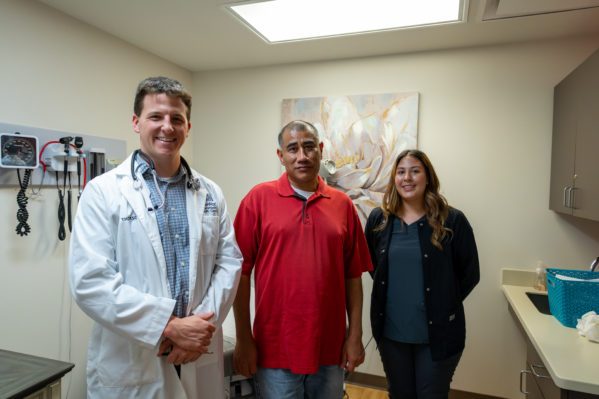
(485, 121)
(57, 73)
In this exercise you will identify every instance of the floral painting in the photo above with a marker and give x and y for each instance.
(362, 137)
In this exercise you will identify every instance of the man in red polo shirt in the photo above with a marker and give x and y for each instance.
(305, 243)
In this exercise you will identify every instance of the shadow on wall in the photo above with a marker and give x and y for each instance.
(586, 226)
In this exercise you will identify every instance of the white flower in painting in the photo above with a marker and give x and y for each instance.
(363, 140)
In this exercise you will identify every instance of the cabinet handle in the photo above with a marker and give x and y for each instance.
(569, 201)
(536, 373)
(566, 196)
(571, 195)
(522, 372)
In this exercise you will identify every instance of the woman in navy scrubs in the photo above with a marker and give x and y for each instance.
(426, 264)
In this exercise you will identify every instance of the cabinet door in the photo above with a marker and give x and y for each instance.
(586, 183)
(563, 148)
(532, 389)
(540, 375)
(545, 382)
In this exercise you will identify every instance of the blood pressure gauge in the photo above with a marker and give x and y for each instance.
(18, 151)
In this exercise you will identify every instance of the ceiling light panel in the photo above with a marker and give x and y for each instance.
(287, 20)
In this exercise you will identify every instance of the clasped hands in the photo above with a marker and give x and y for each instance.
(186, 339)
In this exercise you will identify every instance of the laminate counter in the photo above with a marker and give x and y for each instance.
(571, 360)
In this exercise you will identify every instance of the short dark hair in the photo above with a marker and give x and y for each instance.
(297, 125)
(160, 85)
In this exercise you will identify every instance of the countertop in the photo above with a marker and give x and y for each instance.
(572, 360)
(21, 374)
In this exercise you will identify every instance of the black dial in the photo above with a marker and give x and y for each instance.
(18, 151)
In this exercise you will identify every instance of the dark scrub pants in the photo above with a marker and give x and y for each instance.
(411, 372)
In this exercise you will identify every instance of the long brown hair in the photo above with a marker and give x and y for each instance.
(435, 204)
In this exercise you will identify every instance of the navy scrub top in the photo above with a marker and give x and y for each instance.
(406, 319)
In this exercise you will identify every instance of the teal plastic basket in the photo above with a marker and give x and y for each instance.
(568, 300)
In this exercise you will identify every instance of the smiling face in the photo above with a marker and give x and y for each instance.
(163, 127)
(410, 180)
(300, 154)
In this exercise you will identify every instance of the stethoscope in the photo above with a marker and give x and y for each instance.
(192, 183)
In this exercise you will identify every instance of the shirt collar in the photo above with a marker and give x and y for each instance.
(144, 167)
(176, 178)
(285, 190)
(141, 165)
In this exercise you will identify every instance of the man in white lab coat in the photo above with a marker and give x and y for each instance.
(154, 262)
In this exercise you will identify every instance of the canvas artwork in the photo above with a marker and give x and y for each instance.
(362, 136)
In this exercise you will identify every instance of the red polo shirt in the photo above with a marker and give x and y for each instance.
(302, 252)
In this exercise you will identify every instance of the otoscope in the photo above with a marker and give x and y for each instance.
(79, 145)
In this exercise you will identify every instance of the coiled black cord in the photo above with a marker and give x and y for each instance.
(62, 233)
(61, 213)
(22, 214)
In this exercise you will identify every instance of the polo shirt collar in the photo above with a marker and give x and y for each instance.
(285, 190)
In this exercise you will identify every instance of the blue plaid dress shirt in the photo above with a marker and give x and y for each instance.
(174, 232)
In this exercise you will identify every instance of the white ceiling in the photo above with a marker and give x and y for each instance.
(202, 35)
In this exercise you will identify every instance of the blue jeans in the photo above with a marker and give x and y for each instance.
(327, 383)
(412, 373)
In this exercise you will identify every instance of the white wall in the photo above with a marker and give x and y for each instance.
(60, 74)
(485, 121)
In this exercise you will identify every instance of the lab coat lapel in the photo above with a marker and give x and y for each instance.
(196, 202)
(135, 199)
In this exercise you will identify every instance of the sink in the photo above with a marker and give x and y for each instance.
(541, 301)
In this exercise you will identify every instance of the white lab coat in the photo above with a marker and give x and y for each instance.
(118, 278)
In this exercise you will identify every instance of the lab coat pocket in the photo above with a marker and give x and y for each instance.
(124, 364)
(210, 233)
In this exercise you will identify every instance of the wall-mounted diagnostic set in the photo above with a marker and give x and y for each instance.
(52, 159)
